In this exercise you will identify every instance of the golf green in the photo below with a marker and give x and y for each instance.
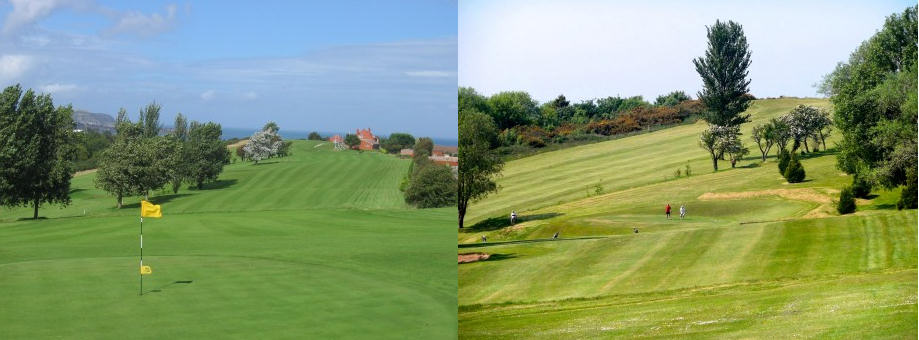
(315, 245)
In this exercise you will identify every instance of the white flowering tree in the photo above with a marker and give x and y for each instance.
(806, 122)
(720, 140)
(262, 144)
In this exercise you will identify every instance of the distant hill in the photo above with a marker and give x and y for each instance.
(85, 120)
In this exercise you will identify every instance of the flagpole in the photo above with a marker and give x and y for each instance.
(139, 269)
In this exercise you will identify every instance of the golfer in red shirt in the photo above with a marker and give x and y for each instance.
(668, 211)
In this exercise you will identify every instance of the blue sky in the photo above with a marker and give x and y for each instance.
(590, 49)
(308, 65)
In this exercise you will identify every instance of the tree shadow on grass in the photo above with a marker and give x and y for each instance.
(265, 163)
(750, 166)
(494, 257)
(220, 184)
(76, 190)
(499, 257)
(156, 200)
(886, 206)
(491, 244)
(496, 223)
(31, 219)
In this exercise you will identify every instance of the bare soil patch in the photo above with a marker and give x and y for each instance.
(803, 194)
(473, 257)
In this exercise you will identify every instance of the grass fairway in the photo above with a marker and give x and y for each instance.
(315, 245)
(756, 257)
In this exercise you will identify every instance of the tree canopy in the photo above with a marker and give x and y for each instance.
(35, 149)
(478, 162)
(724, 71)
(874, 94)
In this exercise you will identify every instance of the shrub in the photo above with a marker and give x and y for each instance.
(532, 135)
(794, 173)
(784, 157)
(908, 195)
(846, 203)
(507, 137)
(314, 136)
(431, 186)
(860, 186)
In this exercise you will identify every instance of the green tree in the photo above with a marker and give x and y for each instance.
(423, 148)
(469, 99)
(784, 157)
(397, 141)
(207, 154)
(779, 133)
(874, 95)
(719, 140)
(724, 71)
(284, 148)
(846, 203)
(271, 127)
(762, 135)
(35, 150)
(432, 186)
(794, 172)
(478, 162)
(180, 133)
(512, 108)
(116, 173)
(149, 120)
(352, 141)
(314, 136)
(671, 99)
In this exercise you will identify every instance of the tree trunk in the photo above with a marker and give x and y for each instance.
(200, 184)
(806, 149)
(35, 203)
(733, 162)
(119, 200)
(715, 162)
(461, 209)
(823, 139)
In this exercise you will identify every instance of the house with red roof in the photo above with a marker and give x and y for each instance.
(368, 140)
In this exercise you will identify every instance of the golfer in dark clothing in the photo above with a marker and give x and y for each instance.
(668, 211)
(554, 237)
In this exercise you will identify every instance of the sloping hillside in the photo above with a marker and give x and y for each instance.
(755, 256)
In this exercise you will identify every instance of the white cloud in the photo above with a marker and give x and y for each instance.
(13, 66)
(26, 12)
(208, 95)
(135, 22)
(58, 88)
(428, 74)
(251, 95)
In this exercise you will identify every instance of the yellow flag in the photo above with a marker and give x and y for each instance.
(145, 270)
(148, 209)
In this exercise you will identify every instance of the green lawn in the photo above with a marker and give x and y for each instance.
(315, 245)
(756, 257)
